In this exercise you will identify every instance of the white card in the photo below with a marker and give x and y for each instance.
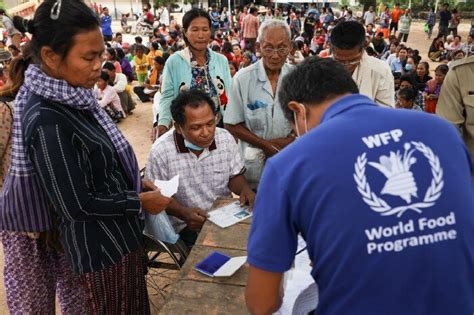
(229, 215)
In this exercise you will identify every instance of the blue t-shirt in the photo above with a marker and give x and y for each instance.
(385, 201)
(106, 25)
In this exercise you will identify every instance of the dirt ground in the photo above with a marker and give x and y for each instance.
(136, 129)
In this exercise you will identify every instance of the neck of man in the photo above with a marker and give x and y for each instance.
(272, 74)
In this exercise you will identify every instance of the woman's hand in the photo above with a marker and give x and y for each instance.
(154, 202)
(147, 185)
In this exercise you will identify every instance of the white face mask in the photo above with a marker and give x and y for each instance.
(305, 122)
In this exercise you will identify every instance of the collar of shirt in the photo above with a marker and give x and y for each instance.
(181, 148)
(345, 103)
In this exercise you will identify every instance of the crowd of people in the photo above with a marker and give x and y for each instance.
(325, 125)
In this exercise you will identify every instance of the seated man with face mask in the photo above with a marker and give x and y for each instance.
(206, 158)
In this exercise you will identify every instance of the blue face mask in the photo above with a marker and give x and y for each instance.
(191, 146)
(408, 67)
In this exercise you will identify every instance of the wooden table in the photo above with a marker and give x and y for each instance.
(195, 293)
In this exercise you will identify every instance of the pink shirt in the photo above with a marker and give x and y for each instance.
(107, 97)
(250, 25)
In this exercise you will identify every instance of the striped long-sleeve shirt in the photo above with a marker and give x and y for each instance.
(84, 180)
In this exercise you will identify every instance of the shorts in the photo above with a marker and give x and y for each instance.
(394, 26)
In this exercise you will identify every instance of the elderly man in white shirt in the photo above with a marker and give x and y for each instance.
(372, 76)
(207, 159)
(253, 113)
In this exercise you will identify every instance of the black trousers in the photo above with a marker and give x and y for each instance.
(139, 90)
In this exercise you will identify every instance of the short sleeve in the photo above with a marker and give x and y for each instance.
(234, 113)
(237, 166)
(156, 167)
(273, 236)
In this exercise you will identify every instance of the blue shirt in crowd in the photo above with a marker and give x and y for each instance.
(106, 25)
(384, 199)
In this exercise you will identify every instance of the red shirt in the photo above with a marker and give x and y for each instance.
(395, 15)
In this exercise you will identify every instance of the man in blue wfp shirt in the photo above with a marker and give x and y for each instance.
(384, 199)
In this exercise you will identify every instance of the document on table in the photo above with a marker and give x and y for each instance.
(168, 187)
(229, 215)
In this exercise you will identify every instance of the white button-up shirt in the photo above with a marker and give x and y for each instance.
(201, 179)
(252, 102)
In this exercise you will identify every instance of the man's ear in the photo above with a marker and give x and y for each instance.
(294, 107)
(257, 47)
(49, 58)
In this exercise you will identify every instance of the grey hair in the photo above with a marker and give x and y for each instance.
(273, 23)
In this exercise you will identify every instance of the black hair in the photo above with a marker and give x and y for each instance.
(193, 98)
(408, 93)
(298, 85)
(227, 47)
(105, 76)
(454, 11)
(108, 66)
(442, 68)
(253, 10)
(163, 41)
(155, 45)
(160, 60)
(14, 48)
(396, 75)
(166, 56)
(408, 78)
(118, 34)
(120, 53)
(140, 47)
(215, 48)
(112, 52)
(426, 65)
(75, 17)
(138, 39)
(348, 35)
(193, 14)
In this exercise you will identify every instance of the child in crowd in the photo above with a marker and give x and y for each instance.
(108, 98)
(406, 99)
(433, 88)
(141, 64)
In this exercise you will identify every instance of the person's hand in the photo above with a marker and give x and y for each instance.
(247, 197)
(162, 130)
(270, 149)
(282, 142)
(195, 218)
(147, 185)
(154, 133)
(154, 202)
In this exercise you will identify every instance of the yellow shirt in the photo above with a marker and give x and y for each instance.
(141, 65)
(151, 56)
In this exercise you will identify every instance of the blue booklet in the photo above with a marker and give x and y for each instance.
(220, 265)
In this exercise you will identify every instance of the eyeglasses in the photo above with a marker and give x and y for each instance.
(280, 51)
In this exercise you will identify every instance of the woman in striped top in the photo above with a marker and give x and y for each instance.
(86, 168)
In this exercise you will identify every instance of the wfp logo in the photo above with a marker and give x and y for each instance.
(401, 182)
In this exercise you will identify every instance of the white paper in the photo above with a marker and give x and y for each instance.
(230, 267)
(307, 301)
(229, 215)
(168, 187)
(298, 279)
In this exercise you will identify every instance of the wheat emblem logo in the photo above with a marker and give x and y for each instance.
(400, 180)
